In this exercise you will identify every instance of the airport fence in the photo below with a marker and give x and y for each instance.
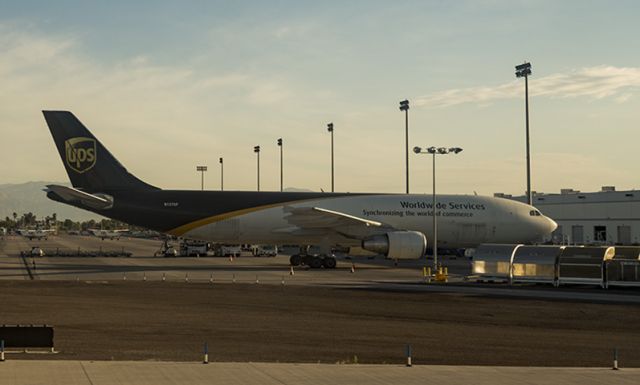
(58, 252)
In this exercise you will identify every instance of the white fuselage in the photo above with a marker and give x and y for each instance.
(462, 220)
(35, 234)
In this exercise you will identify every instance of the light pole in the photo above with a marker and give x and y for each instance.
(436, 151)
(221, 174)
(524, 70)
(330, 129)
(202, 170)
(256, 149)
(404, 106)
(281, 173)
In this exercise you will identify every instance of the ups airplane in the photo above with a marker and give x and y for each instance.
(395, 225)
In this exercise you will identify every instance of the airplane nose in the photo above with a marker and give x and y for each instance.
(551, 225)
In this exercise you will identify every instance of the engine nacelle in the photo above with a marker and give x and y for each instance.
(398, 244)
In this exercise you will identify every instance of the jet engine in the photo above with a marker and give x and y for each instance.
(397, 244)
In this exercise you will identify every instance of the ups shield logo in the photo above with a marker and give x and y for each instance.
(80, 154)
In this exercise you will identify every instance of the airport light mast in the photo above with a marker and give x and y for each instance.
(404, 106)
(523, 71)
(330, 129)
(221, 174)
(281, 172)
(256, 149)
(436, 151)
(202, 170)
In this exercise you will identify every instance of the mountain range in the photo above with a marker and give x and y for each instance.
(29, 197)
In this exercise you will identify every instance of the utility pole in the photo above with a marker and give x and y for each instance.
(221, 174)
(256, 149)
(404, 106)
(202, 170)
(524, 70)
(330, 129)
(281, 173)
(436, 151)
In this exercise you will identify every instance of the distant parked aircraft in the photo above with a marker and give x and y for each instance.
(108, 234)
(35, 234)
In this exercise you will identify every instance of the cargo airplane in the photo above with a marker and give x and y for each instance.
(395, 225)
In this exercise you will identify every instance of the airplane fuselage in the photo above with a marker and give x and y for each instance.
(261, 217)
(463, 221)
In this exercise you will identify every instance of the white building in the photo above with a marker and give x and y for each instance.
(606, 217)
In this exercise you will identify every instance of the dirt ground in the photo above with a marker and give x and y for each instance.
(269, 323)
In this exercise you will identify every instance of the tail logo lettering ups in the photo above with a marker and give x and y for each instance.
(80, 154)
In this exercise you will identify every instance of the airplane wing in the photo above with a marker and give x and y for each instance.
(316, 220)
(70, 194)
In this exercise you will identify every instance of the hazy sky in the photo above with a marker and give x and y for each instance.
(169, 85)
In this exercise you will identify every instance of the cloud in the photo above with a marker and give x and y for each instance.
(594, 82)
(164, 107)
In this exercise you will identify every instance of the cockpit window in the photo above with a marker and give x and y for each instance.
(534, 213)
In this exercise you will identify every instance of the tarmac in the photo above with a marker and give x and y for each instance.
(376, 275)
(169, 373)
(143, 265)
(369, 273)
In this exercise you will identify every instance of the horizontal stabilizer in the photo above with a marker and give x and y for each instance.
(70, 194)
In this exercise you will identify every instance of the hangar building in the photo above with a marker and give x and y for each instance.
(606, 217)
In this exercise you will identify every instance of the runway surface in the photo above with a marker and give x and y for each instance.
(170, 373)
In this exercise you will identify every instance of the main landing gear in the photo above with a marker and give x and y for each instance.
(314, 261)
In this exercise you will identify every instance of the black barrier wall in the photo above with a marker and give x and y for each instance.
(27, 336)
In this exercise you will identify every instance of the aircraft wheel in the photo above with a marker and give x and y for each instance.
(315, 262)
(295, 260)
(329, 262)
